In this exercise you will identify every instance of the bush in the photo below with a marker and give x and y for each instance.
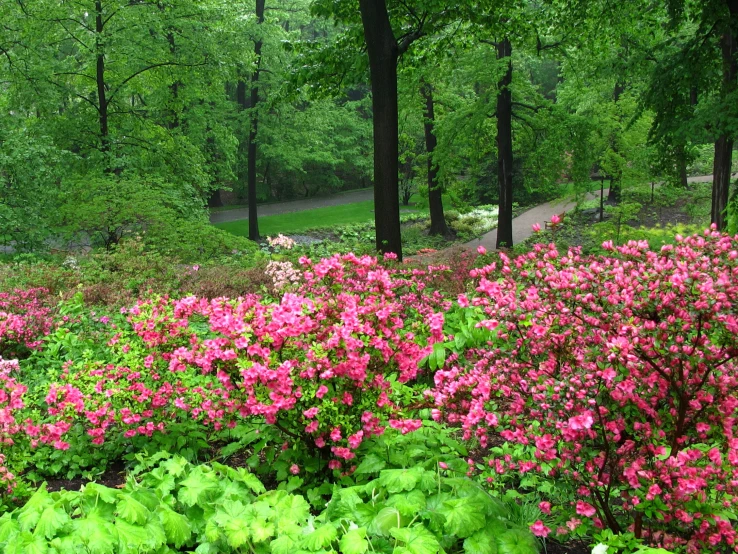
(614, 380)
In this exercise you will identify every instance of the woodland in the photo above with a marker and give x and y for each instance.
(246, 303)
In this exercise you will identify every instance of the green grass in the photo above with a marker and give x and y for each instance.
(360, 212)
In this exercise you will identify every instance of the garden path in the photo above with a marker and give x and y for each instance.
(523, 224)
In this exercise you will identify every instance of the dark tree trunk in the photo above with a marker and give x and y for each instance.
(505, 148)
(616, 192)
(724, 144)
(681, 163)
(435, 198)
(383, 51)
(102, 100)
(253, 221)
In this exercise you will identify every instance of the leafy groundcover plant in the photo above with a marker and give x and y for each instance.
(609, 385)
(177, 507)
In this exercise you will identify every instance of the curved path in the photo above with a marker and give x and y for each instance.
(523, 224)
(350, 197)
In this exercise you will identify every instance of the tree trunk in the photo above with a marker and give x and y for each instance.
(102, 100)
(435, 198)
(382, 48)
(505, 148)
(681, 163)
(724, 144)
(253, 221)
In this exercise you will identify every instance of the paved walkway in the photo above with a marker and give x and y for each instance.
(295, 205)
(523, 224)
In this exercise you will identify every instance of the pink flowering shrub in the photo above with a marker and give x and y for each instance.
(320, 363)
(616, 377)
(11, 402)
(24, 320)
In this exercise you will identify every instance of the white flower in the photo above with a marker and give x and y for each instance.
(600, 549)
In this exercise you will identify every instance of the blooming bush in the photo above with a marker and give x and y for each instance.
(24, 320)
(616, 377)
(325, 363)
(11, 401)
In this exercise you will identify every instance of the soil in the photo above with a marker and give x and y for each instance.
(114, 477)
(570, 547)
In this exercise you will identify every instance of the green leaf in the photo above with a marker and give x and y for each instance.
(464, 516)
(294, 508)
(237, 531)
(30, 513)
(370, 464)
(130, 537)
(354, 542)
(30, 544)
(132, 510)
(261, 530)
(387, 519)
(283, 544)
(52, 519)
(195, 486)
(417, 539)
(409, 503)
(322, 537)
(175, 525)
(481, 542)
(516, 541)
(9, 528)
(96, 534)
(398, 480)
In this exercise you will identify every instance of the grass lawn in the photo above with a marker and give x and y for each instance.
(360, 212)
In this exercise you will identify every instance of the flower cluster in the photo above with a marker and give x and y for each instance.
(617, 376)
(318, 363)
(11, 402)
(24, 319)
(281, 241)
(283, 274)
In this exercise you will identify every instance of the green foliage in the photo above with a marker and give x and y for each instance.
(169, 504)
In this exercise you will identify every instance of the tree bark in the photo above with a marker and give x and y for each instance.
(681, 163)
(724, 144)
(382, 48)
(253, 129)
(102, 100)
(505, 148)
(435, 197)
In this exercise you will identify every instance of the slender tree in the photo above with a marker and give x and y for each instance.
(435, 194)
(505, 147)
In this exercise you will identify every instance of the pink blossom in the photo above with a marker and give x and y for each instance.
(539, 529)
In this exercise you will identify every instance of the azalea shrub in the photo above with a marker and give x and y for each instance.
(25, 317)
(609, 385)
(11, 402)
(328, 364)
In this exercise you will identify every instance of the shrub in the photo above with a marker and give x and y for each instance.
(24, 319)
(324, 364)
(615, 377)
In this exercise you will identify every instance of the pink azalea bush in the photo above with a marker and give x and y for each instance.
(617, 378)
(11, 402)
(24, 319)
(318, 363)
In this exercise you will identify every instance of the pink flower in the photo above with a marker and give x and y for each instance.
(443, 465)
(536, 227)
(584, 509)
(481, 250)
(555, 219)
(294, 469)
(539, 529)
(545, 507)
